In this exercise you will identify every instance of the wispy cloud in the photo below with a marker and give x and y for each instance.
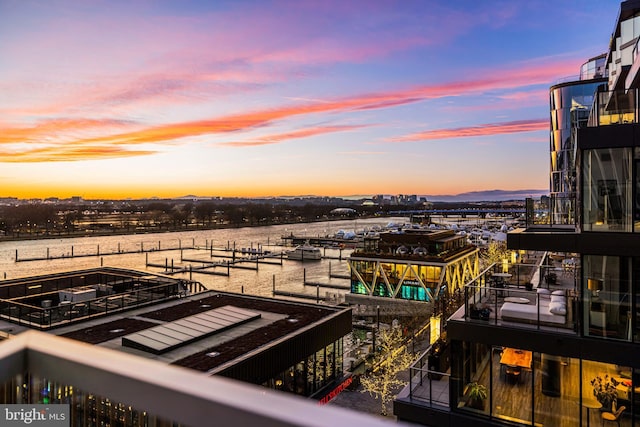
(100, 133)
(68, 153)
(61, 128)
(363, 153)
(480, 130)
(297, 134)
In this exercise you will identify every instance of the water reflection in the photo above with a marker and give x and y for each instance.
(287, 277)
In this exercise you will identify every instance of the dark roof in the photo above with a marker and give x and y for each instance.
(298, 316)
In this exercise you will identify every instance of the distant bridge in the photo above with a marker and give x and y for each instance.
(481, 212)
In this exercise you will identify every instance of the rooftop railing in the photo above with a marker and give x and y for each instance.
(50, 316)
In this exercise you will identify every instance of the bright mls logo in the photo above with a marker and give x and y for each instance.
(35, 415)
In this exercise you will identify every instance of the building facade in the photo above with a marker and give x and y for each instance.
(102, 387)
(414, 265)
(282, 345)
(570, 104)
(567, 352)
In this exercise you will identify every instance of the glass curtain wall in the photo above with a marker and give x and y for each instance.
(415, 279)
(322, 368)
(636, 210)
(607, 190)
(624, 52)
(570, 105)
(607, 297)
(609, 394)
(86, 408)
(531, 388)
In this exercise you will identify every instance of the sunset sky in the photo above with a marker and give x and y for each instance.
(119, 99)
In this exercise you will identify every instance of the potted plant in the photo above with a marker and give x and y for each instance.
(476, 394)
(604, 390)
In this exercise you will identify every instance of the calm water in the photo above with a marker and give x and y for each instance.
(288, 277)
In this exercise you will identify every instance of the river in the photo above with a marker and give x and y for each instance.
(288, 277)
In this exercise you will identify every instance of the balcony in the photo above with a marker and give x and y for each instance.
(524, 301)
(558, 215)
(427, 386)
(105, 386)
(614, 107)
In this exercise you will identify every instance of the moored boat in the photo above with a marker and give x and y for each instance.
(305, 252)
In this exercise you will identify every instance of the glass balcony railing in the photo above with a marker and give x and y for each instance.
(558, 212)
(614, 107)
(428, 385)
(497, 298)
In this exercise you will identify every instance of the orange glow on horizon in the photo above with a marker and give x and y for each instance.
(108, 192)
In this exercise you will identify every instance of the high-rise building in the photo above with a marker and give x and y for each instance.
(566, 351)
(570, 103)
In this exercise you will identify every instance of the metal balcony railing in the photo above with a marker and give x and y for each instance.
(429, 386)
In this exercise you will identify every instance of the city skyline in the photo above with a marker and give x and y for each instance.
(253, 99)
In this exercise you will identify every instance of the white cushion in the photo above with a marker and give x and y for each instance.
(558, 298)
(557, 292)
(558, 308)
(544, 293)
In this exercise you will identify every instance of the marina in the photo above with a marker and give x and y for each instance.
(248, 259)
(213, 257)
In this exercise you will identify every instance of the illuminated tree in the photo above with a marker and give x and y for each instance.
(391, 358)
(495, 253)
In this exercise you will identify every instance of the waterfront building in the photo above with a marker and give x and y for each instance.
(570, 103)
(567, 352)
(282, 345)
(100, 386)
(414, 265)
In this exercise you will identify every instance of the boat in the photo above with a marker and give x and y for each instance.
(305, 252)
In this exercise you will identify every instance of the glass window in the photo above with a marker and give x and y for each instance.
(475, 378)
(556, 390)
(607, 297)
(358, 288)
(626, 30)
(636, 216)
(605, 387)
(512, 374)
(381, 290)
(607, 189)
(416, 293)
(635, 314)
(523, 387)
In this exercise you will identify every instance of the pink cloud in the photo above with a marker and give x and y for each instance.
(506, 102)
(99, 132)
(297, 134)
(56, 128)
(480, 130)
(67, 153)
